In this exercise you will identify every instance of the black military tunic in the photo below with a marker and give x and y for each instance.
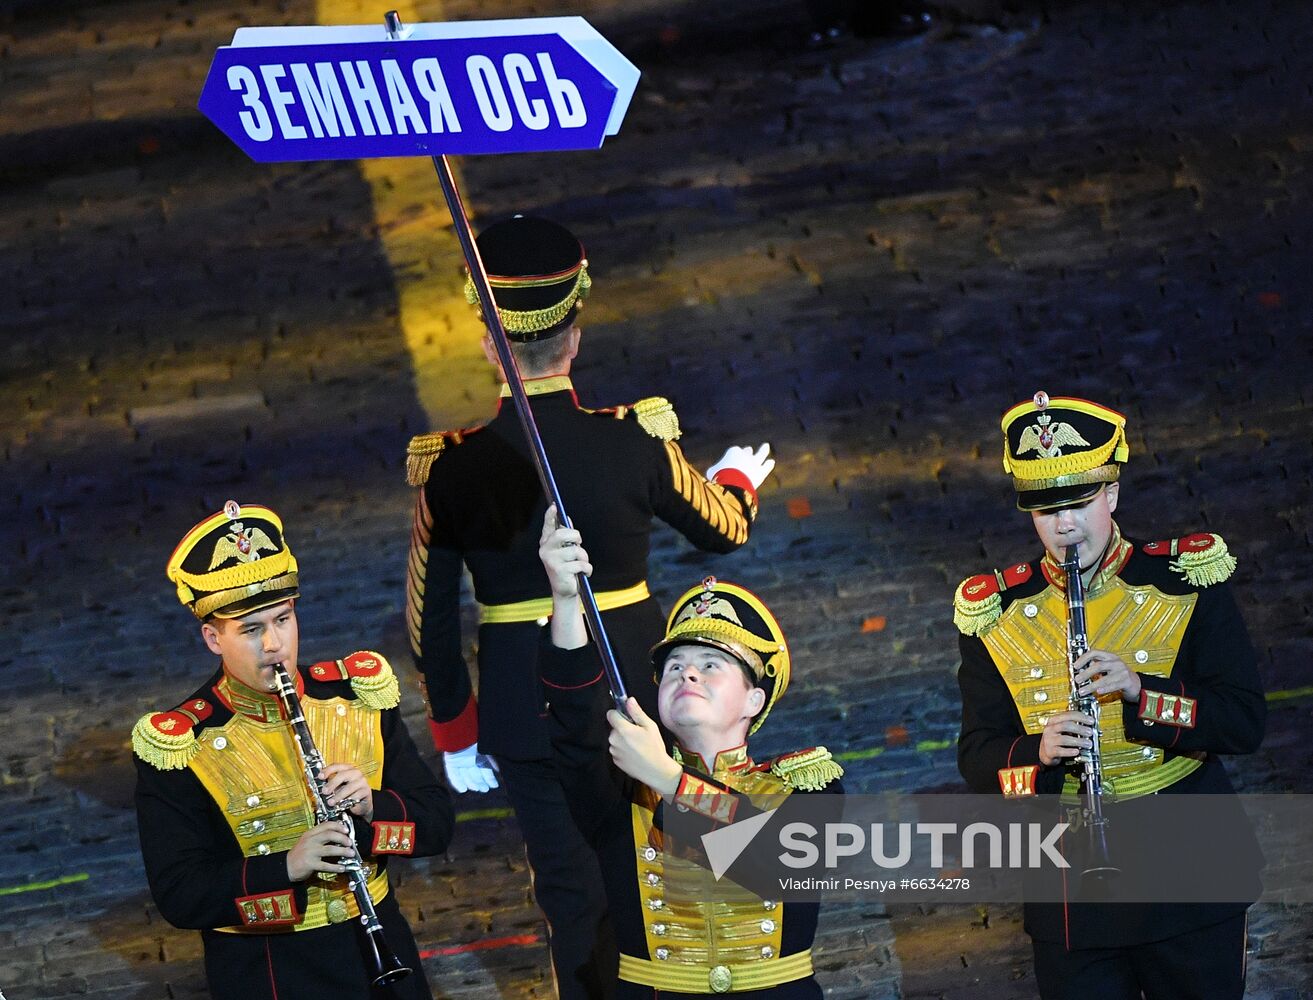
(680, 931)
(221, 799)
(481, 504)
(1166, 610)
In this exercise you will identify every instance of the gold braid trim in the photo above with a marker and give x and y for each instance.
(718, 628)
(379, 691)
(164, 751)
(1114, 450)
(1103, 474)
(421, 453)
(534, 321)
(657, 417)
(241, 575)
(973, 617)
(1203, 569)
(807, 770)
(213, 602)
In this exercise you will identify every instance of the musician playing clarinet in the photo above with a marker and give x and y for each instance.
(1172, 677)
(237, 841)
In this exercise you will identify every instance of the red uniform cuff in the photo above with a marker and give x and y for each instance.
(457, 733)
(1017, 781)
(1168, 709)
(393, 838)
(268, 909)
(705, 798)
(739, 480)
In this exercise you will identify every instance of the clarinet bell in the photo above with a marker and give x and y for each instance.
(387, 967)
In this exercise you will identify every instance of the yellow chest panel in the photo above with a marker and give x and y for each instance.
(1142, 625)
(253, 771)
(690, 919)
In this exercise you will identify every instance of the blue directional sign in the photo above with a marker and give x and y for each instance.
(351, 92)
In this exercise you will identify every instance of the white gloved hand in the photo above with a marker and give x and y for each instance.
(755, 465)
(470, 771)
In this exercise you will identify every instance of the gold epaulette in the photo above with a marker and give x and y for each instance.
(424, 450)
(656, 416)
(370, 675)
(978, 600)
(165, 740)
(1201, 558)
(807, 770)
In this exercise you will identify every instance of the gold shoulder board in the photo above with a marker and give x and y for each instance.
(977, 604)
(372, 679)
(807, 770)
(165, 740)
(657, 417)
(424, 450)
(1203, 559)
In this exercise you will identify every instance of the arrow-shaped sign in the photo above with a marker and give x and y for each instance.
(351, 92)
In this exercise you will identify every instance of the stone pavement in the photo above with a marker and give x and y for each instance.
(862, 252)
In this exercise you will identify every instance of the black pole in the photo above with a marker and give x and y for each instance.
(491, 318)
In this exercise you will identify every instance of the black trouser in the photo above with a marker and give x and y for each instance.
(567, 881)
(1203, 964)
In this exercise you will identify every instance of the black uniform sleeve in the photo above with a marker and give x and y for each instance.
(992, 736)
(597, 792)
(410, 793)
(433, 575)
(1217, 669)
(713, 517)
(193, 863)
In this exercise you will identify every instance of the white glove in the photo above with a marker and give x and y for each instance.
(470, 771)
(755, 465)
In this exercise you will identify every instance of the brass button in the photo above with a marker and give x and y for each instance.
(337, 911)
(768, 926)
(252, 801)
(720, 979)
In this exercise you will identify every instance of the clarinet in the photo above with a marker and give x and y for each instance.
(387, 968)
(1098, 865)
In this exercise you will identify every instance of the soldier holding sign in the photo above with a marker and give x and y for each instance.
(480, 504)
(721, 667)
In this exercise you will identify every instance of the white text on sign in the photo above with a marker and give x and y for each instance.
(344, 98)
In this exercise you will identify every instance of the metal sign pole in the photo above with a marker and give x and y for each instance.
(491, 318)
